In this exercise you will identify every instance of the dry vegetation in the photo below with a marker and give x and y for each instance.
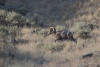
(24, 39)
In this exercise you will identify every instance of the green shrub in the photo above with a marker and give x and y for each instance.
(60, 27)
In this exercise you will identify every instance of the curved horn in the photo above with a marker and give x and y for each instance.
(52, 30)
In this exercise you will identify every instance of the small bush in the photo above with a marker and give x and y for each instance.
(10, 16)
(43, 32)
(3, 30)
(60, 27)
(13, 18)
(2, 12)
(82, 29)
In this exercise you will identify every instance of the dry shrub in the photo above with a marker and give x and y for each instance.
(43, 32)
(53, 47)
(15, 19)
(60, 27)
(82, 29)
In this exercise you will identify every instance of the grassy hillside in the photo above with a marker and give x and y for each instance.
(24, 39)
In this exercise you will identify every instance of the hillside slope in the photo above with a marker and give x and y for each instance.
(24, 39)
(56, 11)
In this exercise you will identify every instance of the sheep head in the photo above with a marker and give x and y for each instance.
(52, 30)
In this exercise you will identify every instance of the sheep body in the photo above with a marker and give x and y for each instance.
(61, 35)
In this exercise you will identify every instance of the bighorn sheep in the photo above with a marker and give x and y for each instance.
(61, 35)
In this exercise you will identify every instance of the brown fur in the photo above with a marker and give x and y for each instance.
(60, 35)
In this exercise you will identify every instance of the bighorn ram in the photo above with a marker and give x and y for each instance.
(63, 34)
